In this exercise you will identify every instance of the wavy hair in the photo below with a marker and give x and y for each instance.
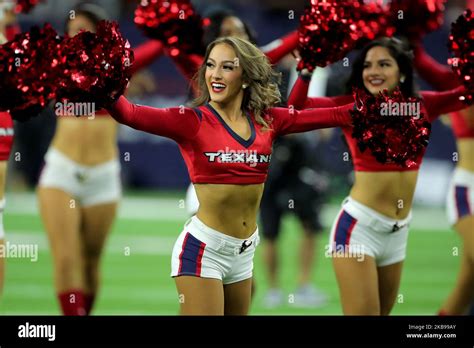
(262, 92)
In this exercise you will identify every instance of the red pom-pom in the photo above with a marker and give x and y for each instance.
(461, 44)
(96, 67)
(28, 70)
(25, 6)
(391, 127)
(174, 22)
(415, 18)
(325, 33)
(371, 20)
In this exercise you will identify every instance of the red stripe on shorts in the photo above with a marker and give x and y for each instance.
(199, 259)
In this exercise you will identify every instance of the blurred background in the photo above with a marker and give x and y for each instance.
(155, 179)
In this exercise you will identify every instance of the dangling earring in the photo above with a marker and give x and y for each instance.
(402, 79)
(244, 86)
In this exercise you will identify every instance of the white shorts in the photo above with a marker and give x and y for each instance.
(2, 207)
(192, 202)
(201, 251)
(460, 200)
(90, 185)
(359, 230)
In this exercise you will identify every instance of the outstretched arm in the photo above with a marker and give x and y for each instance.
(187, 64)
(437, 75)
(438, 103)
(145, 54)
(299, 97)
(286, 121)
(177, 123)
(281, 47)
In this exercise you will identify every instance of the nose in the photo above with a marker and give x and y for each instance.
(217, 74)
(373, 71)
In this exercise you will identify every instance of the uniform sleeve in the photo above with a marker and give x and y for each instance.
(438, 103)
(145, 54)
(177, 123)
(299, 97)
(286, 121)
(437, 75)
(281, 47)
(187, 64)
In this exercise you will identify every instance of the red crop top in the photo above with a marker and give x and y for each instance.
(6, 135)
(434, 104)
(213, 152)
(442, 78)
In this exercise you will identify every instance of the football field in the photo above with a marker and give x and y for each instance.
(136, 263)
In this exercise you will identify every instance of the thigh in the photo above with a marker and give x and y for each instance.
(60, 213)
(200, 296)
(465, 228)
(389, 283)
(358, 285)
(237, 297)
(96, 224)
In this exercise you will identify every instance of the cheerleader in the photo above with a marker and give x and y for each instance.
(460, 199)
(6, 138)
(369, 236)
(226, 142)
(79, 187)
(226, 23)
(6, 142)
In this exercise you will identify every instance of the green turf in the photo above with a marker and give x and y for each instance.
(139, 282)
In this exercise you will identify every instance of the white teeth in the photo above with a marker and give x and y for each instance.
(218, 85)
(376, 82)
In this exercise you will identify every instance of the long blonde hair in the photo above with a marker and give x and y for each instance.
(262, 91)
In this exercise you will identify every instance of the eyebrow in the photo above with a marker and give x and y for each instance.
(224, 61)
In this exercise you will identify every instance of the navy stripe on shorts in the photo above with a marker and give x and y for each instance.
(190, 258)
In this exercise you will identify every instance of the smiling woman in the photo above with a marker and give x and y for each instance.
(212, 259)
(374, 219)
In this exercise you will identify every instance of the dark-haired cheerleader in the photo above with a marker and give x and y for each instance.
(369, 237)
